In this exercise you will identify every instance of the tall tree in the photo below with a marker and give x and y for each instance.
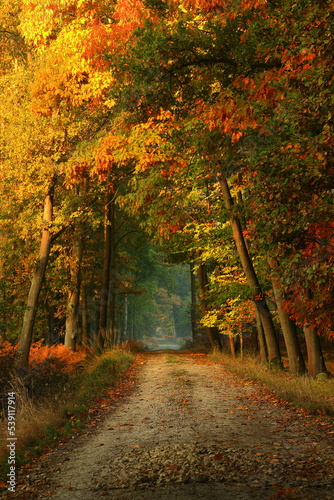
(108, 295)
(37, 280)
(72, 312)
(295, 356)
(274, 356)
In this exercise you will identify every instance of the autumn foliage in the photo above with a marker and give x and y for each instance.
(57, 357)
(140, 113)
(46, 363)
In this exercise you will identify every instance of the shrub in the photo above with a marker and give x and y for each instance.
(49, 369)
(56, 357)
(133, 346)
(7, 358)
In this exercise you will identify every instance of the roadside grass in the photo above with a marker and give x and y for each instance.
(44, 421)
(316, 396)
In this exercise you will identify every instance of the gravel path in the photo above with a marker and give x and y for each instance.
(190, 430)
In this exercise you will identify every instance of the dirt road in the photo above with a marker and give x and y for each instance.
(190, 430)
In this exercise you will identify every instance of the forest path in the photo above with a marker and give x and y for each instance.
(190, 430)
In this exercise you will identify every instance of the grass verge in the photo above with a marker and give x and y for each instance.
(316, 396)
(41, 423)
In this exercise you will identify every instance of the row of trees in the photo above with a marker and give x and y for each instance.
(207, 124)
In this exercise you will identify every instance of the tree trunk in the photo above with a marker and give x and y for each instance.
(295, 356)
(132, 331)
(232, 346)
(212, 332)
(274, 356)
(125, 335)
(103, 314)
(193, 310)
(111, 324)
(2, 303)
(241, 339)
(84, 317)
(72, 313)
(37, 281)
(260, 337)
(315, 360)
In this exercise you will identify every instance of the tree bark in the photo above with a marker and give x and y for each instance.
(260, 337)
(193, 311)
(212, 332)
(84, 317)
(37, 281)
(107, 302)
(232, 346)
(274, 356)
(72, 313)
(111, 320)
(315, 360)
(241, 346)
(125, 335)
(289, 330)
(132, 330)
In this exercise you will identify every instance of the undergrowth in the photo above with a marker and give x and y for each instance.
(316, 396)
(55, 397)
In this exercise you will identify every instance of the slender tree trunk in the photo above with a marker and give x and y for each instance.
(260, 337)
(134, 333)
(117, 337)
(72, 313)
(193, 311)
(315, 359)
(84, 316)
(37, 281)
(241, 338)
(103, 314)
(212, 332)
(3, 319)
(274, 356)
(125, 335)
(111, 325)
(112, 280)
(232, 346)
(295, 356)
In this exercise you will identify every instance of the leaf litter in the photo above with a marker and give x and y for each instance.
(174, 440)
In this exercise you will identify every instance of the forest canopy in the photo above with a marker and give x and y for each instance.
(200, 130)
